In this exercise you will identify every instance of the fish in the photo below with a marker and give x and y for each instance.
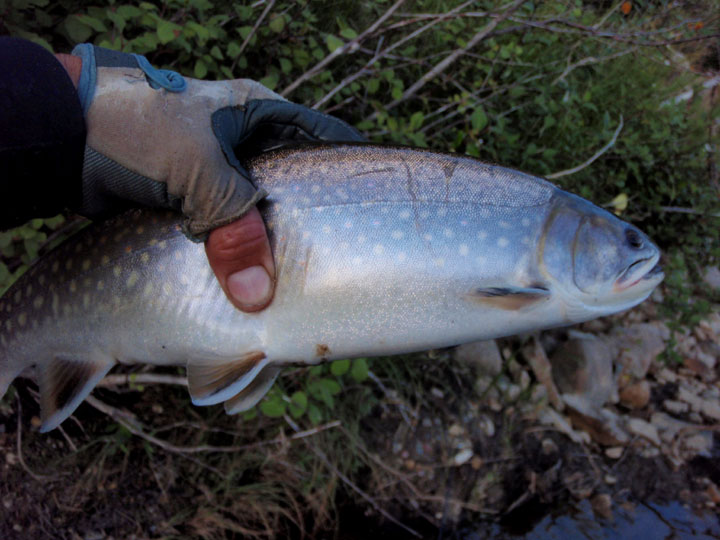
(379, 251)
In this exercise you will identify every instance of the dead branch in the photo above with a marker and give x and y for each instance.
(596, 155)
(142, 378)
(259, 21)
(452, 57)
(348, 47)
(591, 60)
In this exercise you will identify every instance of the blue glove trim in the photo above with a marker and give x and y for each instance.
(88, 74)
(161, 78)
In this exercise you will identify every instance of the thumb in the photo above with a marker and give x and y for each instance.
(239, 254)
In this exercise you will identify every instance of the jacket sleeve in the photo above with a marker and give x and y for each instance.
(42, 134)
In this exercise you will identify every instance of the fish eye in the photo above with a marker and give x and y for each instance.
(633, 238)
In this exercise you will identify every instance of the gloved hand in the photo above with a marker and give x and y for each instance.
(160, 140)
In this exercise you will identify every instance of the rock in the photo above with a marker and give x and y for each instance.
(667, 426)
(639, 345)
(711, 277)
(610, 480)
(614, 452)
(583, 367)
(675, 407)
(602, 505)
(709, 409)
(549, 447)
(483, 355)
(538, 360)
(699, 444)
(640, 427)
(636, 395)
(550, 417)
(456, 430)
(486, 425)
(666, 375)
(602, 425)
(463, 457)
(579, 485)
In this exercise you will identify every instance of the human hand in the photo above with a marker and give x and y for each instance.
(173, 145)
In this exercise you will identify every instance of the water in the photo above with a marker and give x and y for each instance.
(646, 521)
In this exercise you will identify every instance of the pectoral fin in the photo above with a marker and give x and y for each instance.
(253, 392)
(509, 298)
(215, 380)
(65, 383)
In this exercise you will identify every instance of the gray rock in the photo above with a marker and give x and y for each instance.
(639, 345)
(712, 277)
(583, 366)
(636, 395)
(602, 425)
(484, 355)
(675, 407)
(638, 426)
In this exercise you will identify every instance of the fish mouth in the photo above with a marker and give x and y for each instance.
(646, 271)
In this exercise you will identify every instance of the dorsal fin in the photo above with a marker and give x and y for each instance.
(214, 380)
(253, 392)
(65, 383)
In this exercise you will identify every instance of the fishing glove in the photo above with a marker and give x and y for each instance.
(161, 140)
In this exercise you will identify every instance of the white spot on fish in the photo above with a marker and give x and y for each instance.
(427, 237)
(424, 214)
(482, 235)
(401, 256)
(133, 278)
(22, 319)
(342, 194)
(86, 264)
(397, 234)
(167, 288)
(439, 262)
(405, 214)
(463, 250)
(305, 200)
(147, 291)
(504, 225)
(480, 259)
(361, 239)
(177, 256)
(378, 249)
(117, 271)
(357, 261)
(502, 242)
(384, 210)
(162, 244)
(442, 211)
(314, 189)
(448, 233)
(525, 222)
(327, 229)
(348, 224)
(145, 257)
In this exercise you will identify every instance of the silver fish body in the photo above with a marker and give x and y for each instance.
(378, 250)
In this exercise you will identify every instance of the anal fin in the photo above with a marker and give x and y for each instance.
(214, 380)
(253, 392)
(65, 383)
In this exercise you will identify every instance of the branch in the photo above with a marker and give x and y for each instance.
(349, 46)
(593, 158)
(681, 210)
(142, 378)
(267, 9)
(380, 55)
(452, 57)
(590, 60)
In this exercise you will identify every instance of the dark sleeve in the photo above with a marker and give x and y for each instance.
(42, 134)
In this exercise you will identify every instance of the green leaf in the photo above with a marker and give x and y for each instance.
(233, 49)
(348, 33)
(200, 69)
(216, 53)
(340, 367)
(92, 22)
(333, 42)
(244, 31)
(298, 404)
(331, 386)
(277, 24)
(128, 12)
(167, 31)
(359, 370)
(373, 85)
(77, 31)
(478, 119)
(416, 120)
(314, 414)
(317, 370)
(270, 81)
(116, 19)
(285, 65)
(273, 408)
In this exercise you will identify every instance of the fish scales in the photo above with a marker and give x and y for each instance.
(379, 250)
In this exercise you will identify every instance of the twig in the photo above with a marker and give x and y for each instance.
(593, 158)
(349, 46)
(452, 57)
(590, 60)
(382, 54)
(267, 9)
(681, 210)
(349, 482)
(142, 378)
(136, 429)
(38, 477)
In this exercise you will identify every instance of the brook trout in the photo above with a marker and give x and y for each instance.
(379, 251)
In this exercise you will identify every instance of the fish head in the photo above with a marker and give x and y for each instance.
(599, 263)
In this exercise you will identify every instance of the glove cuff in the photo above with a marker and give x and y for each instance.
(94, 57)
